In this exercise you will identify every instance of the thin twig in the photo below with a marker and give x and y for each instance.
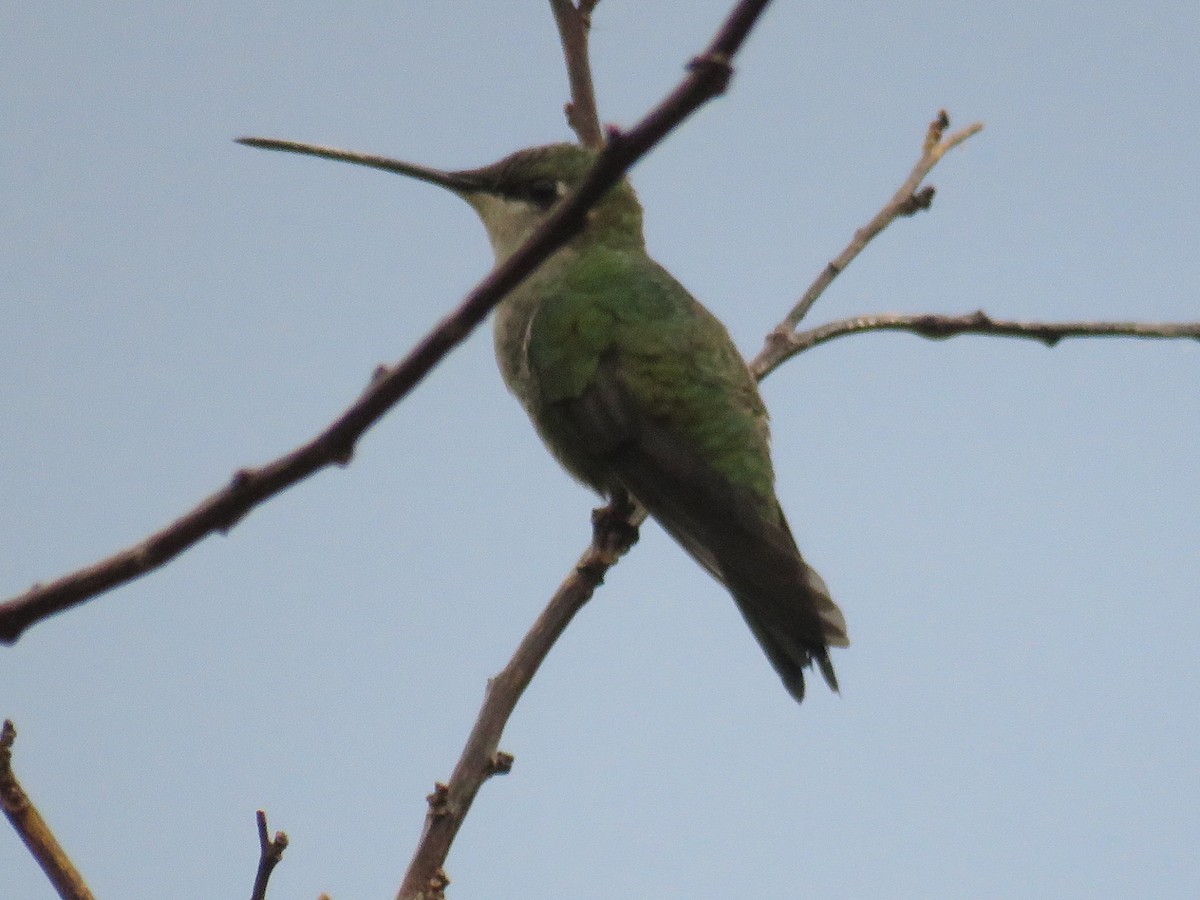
(574, 22)
(32, 828)
(708, 77)
(270, 852)
(939, 327)
(905, 202)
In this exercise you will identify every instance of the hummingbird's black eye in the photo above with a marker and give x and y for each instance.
(542, 192)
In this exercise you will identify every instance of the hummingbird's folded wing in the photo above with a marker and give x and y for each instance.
(723, 527)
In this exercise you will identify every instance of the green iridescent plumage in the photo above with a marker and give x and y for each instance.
(639, 392)
(637, 389)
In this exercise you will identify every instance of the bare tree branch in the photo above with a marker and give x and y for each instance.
(615, 530)
(270, 852)
(574, 22)
(905, 202)
(708, 77)
(784, 342)
(938, 327)
(32, 828)
(481, 758)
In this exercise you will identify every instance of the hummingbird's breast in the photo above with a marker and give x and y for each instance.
(512, 327)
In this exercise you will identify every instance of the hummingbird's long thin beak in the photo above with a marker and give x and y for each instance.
(462, 183)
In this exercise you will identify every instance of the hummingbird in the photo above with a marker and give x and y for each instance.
(639, 392)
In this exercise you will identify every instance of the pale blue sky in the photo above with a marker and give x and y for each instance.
(1012, 531)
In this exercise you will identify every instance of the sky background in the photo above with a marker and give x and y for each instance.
(1012, 531)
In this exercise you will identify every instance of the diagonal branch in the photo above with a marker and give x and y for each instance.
(574, 22)
(708, 77)
(32, 828)
(481, 757)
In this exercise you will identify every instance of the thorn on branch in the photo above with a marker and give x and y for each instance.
(343, 456)
(714, 68)
(439, 800)
(937, 130)
(500, 763)
(8, 734)
(438, 883)
(240, 479)
(938, 328)
(917, 202)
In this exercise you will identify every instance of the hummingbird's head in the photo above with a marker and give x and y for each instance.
(515, 195)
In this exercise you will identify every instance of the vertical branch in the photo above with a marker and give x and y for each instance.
(574, 22)
(270, 852)
(32, 828)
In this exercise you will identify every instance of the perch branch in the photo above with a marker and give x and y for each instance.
(481, 757)
(574, 22)
(32, 828)
(708, 77)
(270, 852)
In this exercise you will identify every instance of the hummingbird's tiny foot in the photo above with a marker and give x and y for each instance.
(612, 529)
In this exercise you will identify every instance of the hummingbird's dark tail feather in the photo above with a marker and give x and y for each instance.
(783, 600)
(740, 538)
(785, 643)
(779, 610)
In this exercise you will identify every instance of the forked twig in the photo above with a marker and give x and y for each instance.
(907, 201)
(270, 852)
(574, 22)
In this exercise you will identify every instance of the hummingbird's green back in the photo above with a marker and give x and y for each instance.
(638, 390)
